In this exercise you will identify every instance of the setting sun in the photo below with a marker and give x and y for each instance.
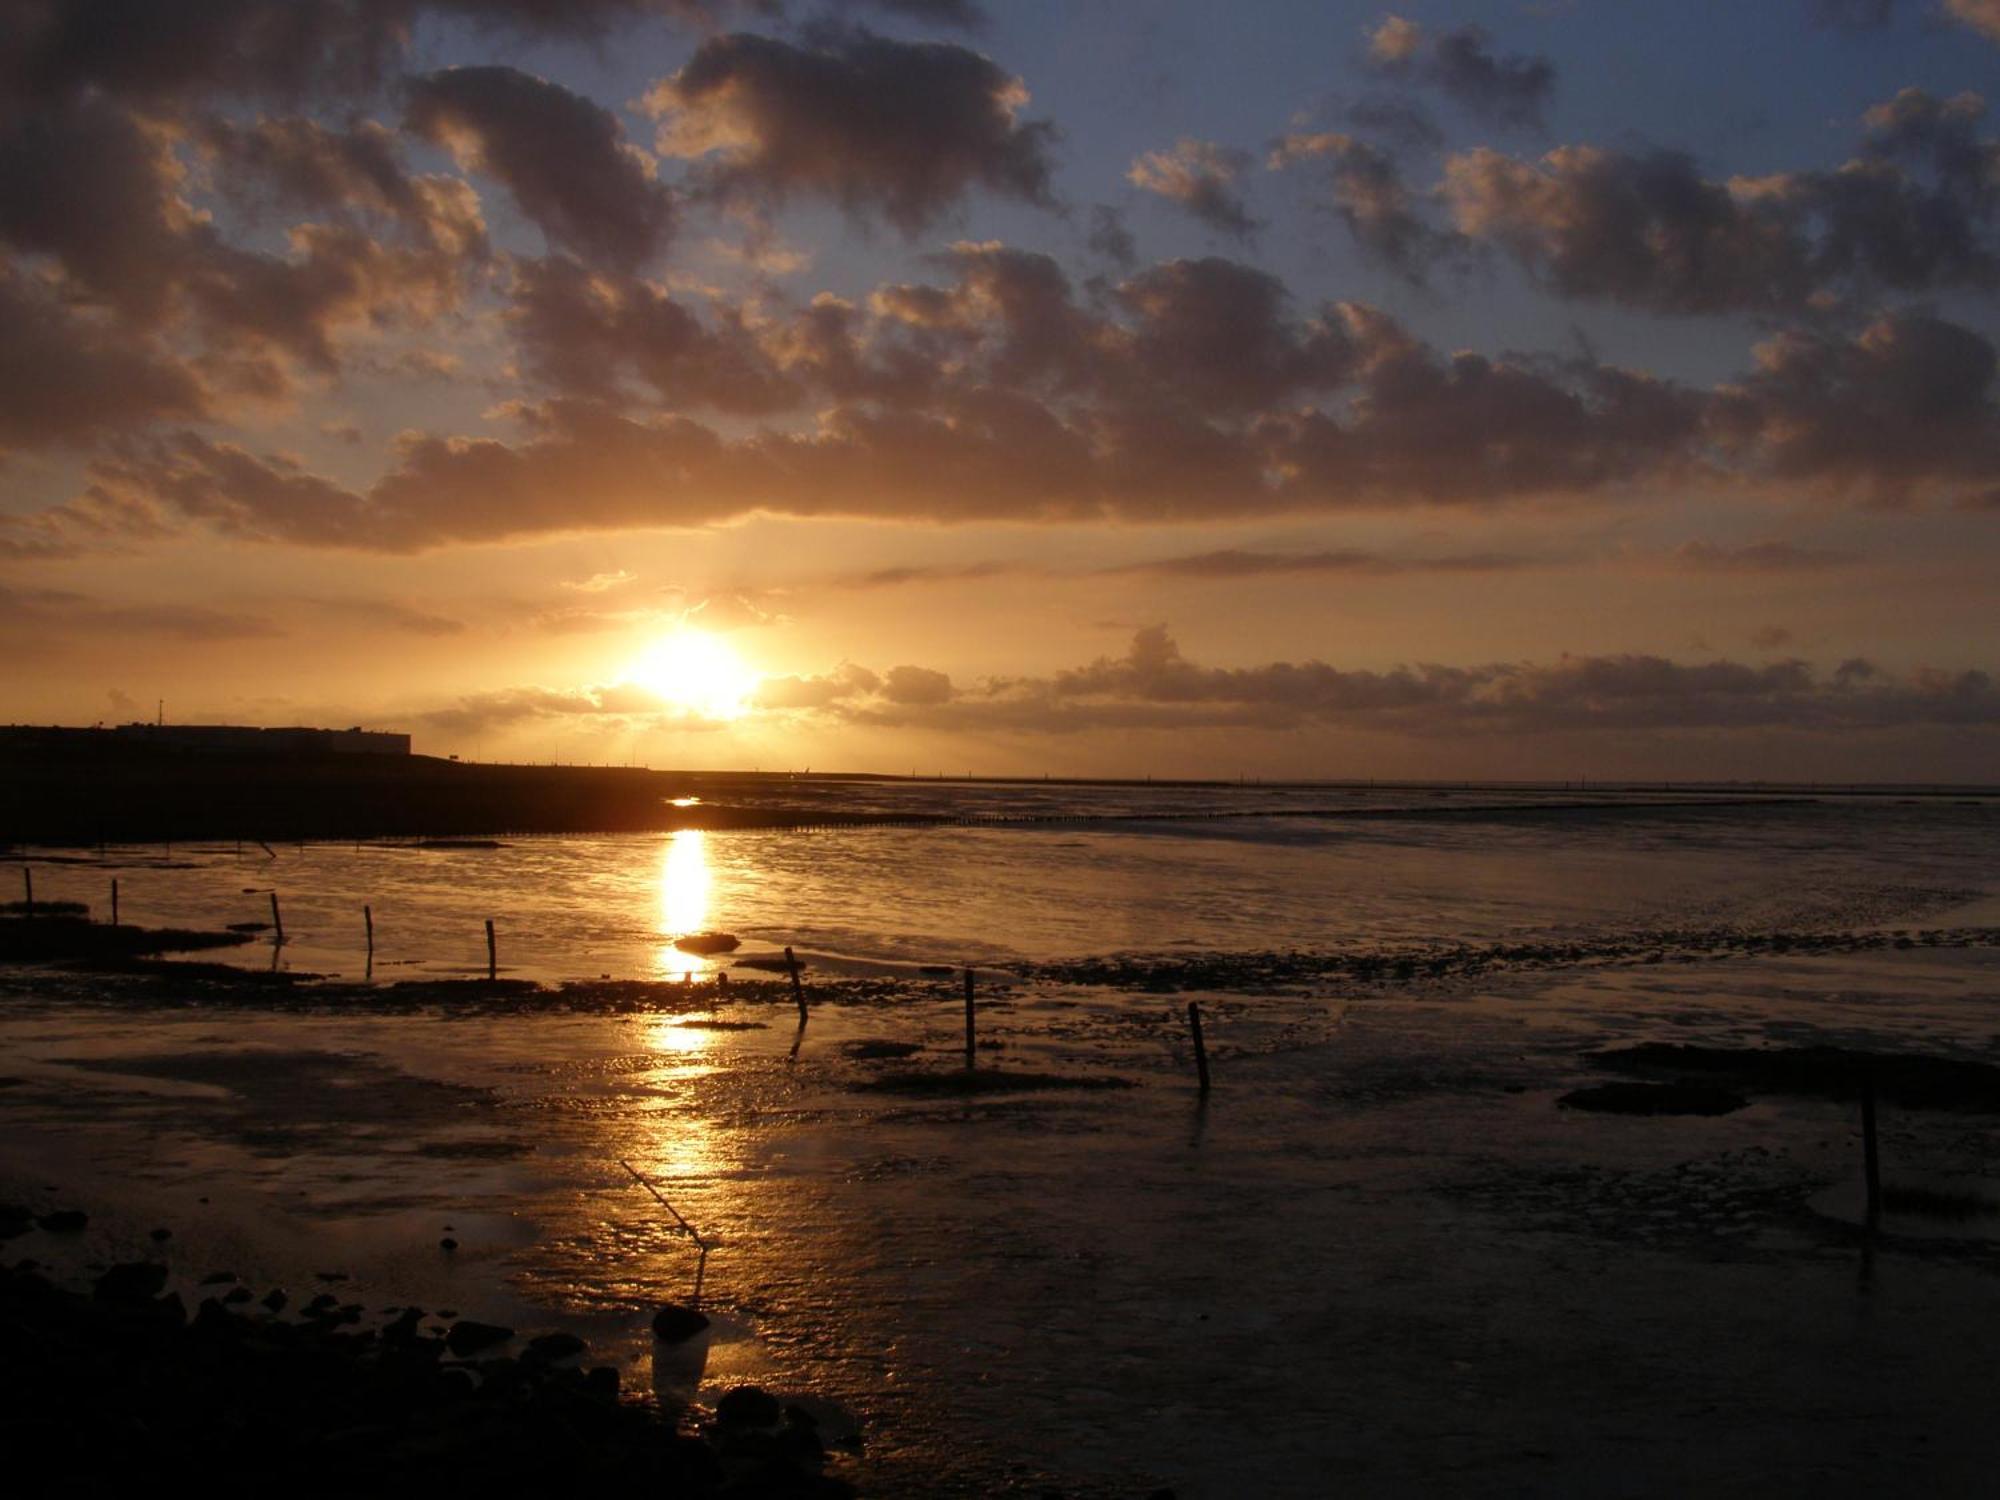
(694, 671)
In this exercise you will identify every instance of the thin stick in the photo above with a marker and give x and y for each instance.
(798, 989)
(1871, 1161)
(368, 921)
(969, 1063)
(492, 954)
(28, 882)
(686, 1228)
(1200, 1051)
(114, 900)
(277, 922)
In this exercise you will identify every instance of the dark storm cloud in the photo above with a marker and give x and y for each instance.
(564, 159)
(874, 124)
(1370, 196)
(1461, 62)
(1202, 178)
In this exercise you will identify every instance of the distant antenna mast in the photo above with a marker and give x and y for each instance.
(160, 715)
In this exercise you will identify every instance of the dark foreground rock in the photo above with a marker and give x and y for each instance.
(126, 1391)
(1909, 1080)
(1653, 1099)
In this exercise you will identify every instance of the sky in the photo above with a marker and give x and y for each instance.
(1549, 390)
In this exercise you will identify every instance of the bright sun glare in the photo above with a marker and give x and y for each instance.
(694, 671)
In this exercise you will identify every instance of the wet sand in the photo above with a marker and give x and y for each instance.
(1381, 1258)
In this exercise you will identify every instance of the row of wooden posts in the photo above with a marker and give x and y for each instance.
(1871, 1151)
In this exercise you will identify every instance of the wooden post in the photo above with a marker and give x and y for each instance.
(368, 922)
(1200, 1051)
(798, 989)
(277, 921)
(492, 954)
(1871, 1161)
(28, 900)
(114, 900)
(969, 1063)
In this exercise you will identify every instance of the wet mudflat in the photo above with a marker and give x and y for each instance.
(1381, 1258)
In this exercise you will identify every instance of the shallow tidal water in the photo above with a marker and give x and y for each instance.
(1379, 1258)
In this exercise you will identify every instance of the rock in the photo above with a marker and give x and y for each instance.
(276, 1299)
(468, 1336)
(14, 1220)
(676, 1324)
(161, 1236)
(132, 1281)
(749, 1406)
(602, 1382)
(219, 1278)
(447, 1243)
(1653, 1099)
(554, 1346)
(706, 943)
(64, 1221)
(238, 1294)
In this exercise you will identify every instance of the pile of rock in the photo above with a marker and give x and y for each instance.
(123, 1386)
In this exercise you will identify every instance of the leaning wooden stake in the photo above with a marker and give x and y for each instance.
(368, 922)
(492, 954)
(1871, 1161)
(114, 900)
(277, 922)
(969, 1063)
(1200, 1051)
(28, 900)
(798, 989)
(701, 1264)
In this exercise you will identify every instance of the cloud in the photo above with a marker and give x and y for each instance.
(1759, 557)
(1903, 410)
(564, 159)
(1201, 177)
(66, 378)
(1110, 238)
(905, 129)
(1232, 563)
(1191, 391)
(40, 612)
(390, 615)
(1370, 197)
(1649, 230)
(585, 333)
(1154, 686)
(1461, 63)
(916, 686)
(1983, 16)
